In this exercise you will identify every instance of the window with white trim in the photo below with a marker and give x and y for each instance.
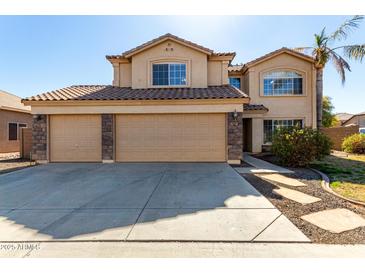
(14, 130)
(278, 83)
(270, 126)
(172, 74)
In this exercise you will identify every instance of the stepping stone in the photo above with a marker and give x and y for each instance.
(276, 232)
(254, 170)
(261, 164)
(296, 196)
(335, 220)
(278, 178)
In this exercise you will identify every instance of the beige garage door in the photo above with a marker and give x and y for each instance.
(172, 137)
(75, 138)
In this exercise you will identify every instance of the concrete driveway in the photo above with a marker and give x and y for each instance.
(137, 202)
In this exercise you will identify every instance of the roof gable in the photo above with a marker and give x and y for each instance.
(162, 39)
(276, 53)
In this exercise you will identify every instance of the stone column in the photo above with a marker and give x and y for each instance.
(107, 138)
(235, 137)
(39, 136)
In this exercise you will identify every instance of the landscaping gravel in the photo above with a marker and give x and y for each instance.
(293, 211)
(10, 165)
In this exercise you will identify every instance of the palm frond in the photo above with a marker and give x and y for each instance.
(340, 64)
(343, 31)
(321, 39)
(355, 52)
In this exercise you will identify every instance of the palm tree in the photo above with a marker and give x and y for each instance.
(323, 52)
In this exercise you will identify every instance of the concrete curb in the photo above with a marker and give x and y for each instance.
(325, 184)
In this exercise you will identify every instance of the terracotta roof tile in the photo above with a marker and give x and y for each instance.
(235, 68)
(224, 53)
(103, 92)
(250, 107)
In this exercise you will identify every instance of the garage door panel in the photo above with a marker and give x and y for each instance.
(173, 137)
(75, 138)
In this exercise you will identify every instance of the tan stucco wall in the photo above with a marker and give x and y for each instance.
(11, 117)
(170, 51)
(125, 75)
(357, 120)
(214, 73)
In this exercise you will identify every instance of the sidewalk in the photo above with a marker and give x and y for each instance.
(186, 249)
(260, 166)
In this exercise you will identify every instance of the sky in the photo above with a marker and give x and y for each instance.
(43, 53)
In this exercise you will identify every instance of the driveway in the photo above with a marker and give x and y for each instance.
(137, 202)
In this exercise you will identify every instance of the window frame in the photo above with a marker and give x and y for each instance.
(265, 142)
(303, 75)
(169, 62)
(235, 77)
(17, 130)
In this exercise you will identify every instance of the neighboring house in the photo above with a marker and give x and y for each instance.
(343, 116)
(13, 116)
(174, 100)
(356, 119)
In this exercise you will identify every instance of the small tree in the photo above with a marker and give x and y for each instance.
(328, 117)
(298, 147)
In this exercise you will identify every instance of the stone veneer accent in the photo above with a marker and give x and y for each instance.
(107, 137)
(235, 141)
(39, 136)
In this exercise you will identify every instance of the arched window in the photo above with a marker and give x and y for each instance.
(283, 83)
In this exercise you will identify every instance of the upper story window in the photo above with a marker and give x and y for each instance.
(173, 74)
(236, 82)
(283, 83)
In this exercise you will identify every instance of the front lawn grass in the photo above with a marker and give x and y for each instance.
(346, 172)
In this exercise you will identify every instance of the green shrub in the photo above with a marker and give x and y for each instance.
(354, 143)
(298, 147)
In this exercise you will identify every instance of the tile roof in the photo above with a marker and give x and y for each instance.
(351, 116)
(249, 107)
(169, 35)
(283, 49)
(235, 68)
(105, 92)
(10, 101)
(224, 53)
(343, 116)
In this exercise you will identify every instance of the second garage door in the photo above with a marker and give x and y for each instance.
(171, 138)
(75, 138)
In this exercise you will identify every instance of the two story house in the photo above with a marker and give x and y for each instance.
(172, 100)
